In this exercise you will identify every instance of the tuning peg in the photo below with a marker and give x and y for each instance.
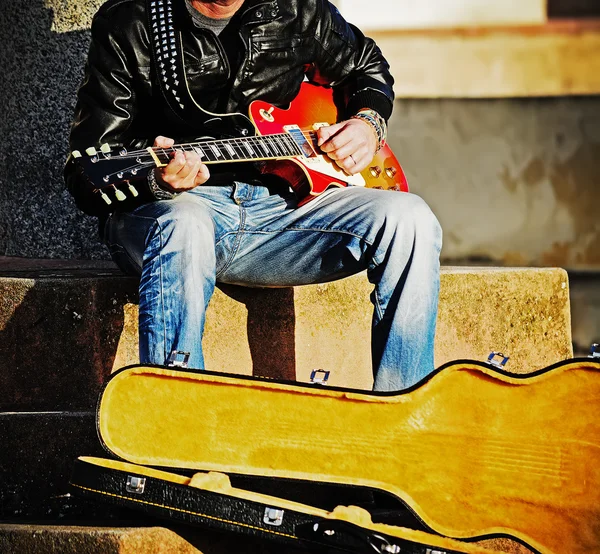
(105, 197)
(105, 148)
(76, 154)
(91, 151)
(132, 189)
(120, 195)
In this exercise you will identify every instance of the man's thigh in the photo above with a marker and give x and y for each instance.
(328, 238)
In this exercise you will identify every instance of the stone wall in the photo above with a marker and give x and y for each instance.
(512, 181)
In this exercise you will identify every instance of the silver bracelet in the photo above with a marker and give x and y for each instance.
(157, 191)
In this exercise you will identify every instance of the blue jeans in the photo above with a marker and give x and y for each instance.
(242, 234)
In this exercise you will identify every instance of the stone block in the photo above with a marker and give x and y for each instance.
(37, 451)
(74, 539)
(63, 331)
(521, 312)
(59, 329)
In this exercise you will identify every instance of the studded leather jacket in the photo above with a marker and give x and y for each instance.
(275, 45)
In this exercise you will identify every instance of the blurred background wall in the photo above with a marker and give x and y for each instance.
(497, 124)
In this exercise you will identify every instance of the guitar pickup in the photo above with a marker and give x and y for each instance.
(303, 141)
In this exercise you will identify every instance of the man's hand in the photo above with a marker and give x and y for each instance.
(350, 144)
(184, 172)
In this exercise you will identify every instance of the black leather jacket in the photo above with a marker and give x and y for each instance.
(281, 42)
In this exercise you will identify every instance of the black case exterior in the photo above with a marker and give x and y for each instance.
(181, 503)
(221, 512)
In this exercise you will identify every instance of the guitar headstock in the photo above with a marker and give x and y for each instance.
(111, 171)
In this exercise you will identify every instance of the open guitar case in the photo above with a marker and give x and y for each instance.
(472, 452)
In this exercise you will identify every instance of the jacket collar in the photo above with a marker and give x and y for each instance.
(259, 11)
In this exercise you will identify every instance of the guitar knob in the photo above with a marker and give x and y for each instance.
(132, 190)
(91, 151)
(267, 115)
(390, 172)
(105, 148)
(76, 154)
(375, 171)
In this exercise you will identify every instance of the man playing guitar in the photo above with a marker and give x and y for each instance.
(160, 72)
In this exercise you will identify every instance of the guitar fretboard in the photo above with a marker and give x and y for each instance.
(284, 145)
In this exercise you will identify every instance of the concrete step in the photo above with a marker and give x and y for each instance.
(65, 327)
(49, 539)
(119, 539)
(79, 539)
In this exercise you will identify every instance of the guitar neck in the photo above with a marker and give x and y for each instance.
(243, 149)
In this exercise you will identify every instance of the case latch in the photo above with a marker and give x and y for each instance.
(135, 484)
(319, 376)
(273, 516)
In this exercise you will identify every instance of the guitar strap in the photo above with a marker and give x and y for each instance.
(167, 56)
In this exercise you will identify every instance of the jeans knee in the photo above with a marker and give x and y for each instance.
(427, 223)
(409, 213)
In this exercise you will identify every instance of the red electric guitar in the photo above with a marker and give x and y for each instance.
(284, 141)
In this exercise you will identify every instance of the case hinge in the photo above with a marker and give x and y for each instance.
(497, 359)
(319, 376)
(177, 358)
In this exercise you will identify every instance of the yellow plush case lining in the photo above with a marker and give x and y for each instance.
(472, 451)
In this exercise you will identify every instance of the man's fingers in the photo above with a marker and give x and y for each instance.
(191, 167)
(163, 142)
(185, 171)
(202, 175)
(328, 138)
(176, 164)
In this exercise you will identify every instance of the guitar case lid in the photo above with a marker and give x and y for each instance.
(473, 451)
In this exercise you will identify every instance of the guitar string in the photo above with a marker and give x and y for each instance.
(311, 135)
(145, 158)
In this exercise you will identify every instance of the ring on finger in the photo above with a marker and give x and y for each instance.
(352, 158)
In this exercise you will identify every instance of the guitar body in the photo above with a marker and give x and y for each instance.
(309, 177)
(281, 141)
(473, 452)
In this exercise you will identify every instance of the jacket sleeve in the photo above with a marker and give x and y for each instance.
(104, 113)
(352, 63)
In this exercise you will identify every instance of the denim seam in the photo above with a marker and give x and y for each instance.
(236, 245)
(162, 296)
